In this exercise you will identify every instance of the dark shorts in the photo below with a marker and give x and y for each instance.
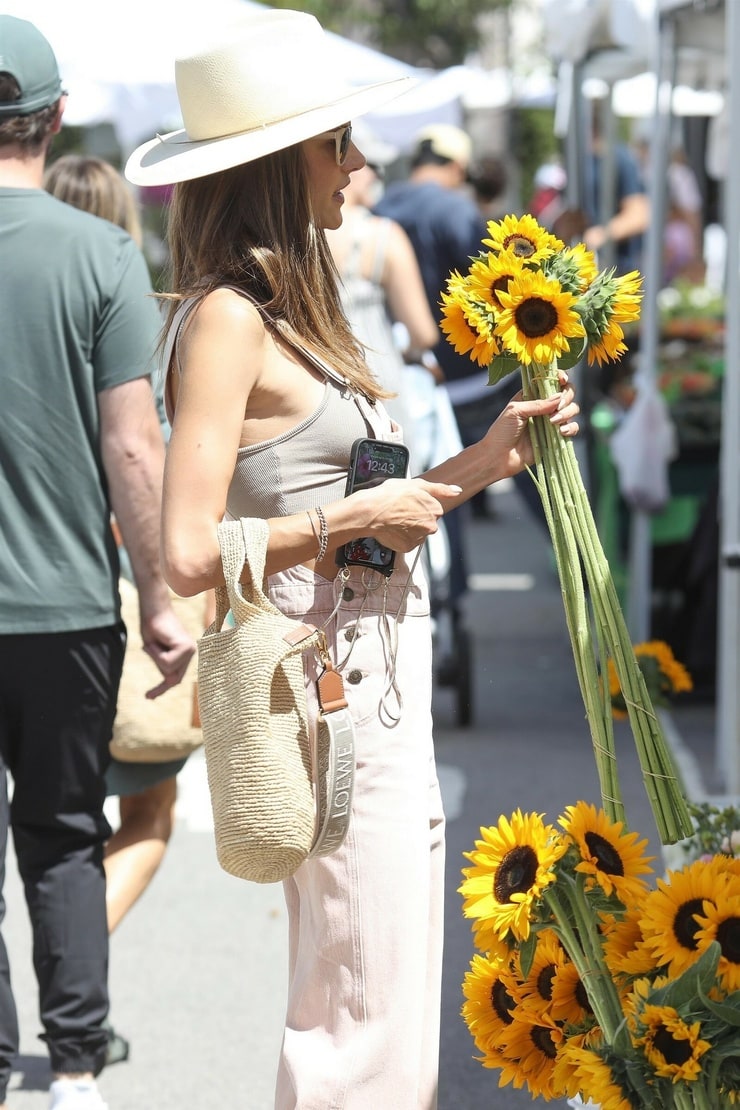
(123, 779)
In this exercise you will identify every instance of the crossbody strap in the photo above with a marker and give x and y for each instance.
(336, 731)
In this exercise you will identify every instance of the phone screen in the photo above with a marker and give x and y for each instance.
(371, 462)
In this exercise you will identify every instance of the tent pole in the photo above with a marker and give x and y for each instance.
(728, 648)
(640, 553)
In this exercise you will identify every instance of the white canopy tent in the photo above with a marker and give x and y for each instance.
(121, 71)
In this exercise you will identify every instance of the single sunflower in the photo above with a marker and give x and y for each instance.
(569, 998)
(467, 329)
(610, 857)
(673, 1046)
(625, 951)
(491, 274)
(512, 865)
(523, 237)
(606, 304)
(670, 914)
(575, 268)
(581, 1071)
(535, 991)
(537, 319)
(529, 1050)
(489, 1001)
(721, 922)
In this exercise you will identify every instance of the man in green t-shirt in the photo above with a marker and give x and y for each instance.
(79, 440)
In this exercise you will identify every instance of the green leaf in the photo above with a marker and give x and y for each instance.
(698, 978)
(527, 949)
(568, 359)
(727, 1011)
(501, 367)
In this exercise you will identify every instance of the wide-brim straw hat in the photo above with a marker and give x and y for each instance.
(263, 83)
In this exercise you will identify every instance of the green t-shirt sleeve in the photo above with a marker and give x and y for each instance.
(129, 324)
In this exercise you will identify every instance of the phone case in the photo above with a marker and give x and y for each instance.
(371, 462)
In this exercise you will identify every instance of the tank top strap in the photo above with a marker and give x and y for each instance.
(170, 348)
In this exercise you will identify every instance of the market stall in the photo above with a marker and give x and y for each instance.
(695, 53)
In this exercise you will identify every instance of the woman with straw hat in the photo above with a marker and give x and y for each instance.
(269, 390)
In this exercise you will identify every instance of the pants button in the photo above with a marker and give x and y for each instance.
(349, 632)
(354, 677)
(347, 593)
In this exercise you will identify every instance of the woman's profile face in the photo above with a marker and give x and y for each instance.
(326, 179)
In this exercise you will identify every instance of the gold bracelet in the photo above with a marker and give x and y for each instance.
(324, 534)
(313, 528)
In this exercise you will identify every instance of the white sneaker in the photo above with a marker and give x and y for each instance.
(75, 1094)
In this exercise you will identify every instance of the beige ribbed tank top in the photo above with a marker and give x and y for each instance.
(303, 467)
(307, 465)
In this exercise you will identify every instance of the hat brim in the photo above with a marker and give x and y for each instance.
(174, 157)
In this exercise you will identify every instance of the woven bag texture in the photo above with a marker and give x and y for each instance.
(252, 698)
(153, 731)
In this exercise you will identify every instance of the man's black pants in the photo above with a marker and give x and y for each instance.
(57, 703)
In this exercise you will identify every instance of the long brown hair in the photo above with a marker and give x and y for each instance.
(252, 227)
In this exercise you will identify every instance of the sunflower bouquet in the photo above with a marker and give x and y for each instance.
(594, 979)
(530, 303)
(664, 677)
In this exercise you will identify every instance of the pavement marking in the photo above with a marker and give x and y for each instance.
(482, 583)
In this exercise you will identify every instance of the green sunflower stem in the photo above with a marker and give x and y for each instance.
(578, 621)
(576, 927)
(694, 1096)
(597, 629)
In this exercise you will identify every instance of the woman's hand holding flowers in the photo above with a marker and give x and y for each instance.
(509, 437)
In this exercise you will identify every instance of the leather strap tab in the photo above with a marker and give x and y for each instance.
(330, 689)
(298, 634)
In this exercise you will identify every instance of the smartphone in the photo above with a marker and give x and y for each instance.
(370, 463)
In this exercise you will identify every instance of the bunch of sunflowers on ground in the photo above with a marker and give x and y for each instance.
(664, 677)
(589, 984)
(529, 302)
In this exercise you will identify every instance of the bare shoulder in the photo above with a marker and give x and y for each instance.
(228, 315)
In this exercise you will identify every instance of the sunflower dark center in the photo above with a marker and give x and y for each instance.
(672, 1050)
(519, 245)
(685, 925)
(542, 1039)
(582, 998)
(535, 317)
(545, 981)
(516, 873)
(728, 935)
(607, 857)
(499, 285)
(502, 1003)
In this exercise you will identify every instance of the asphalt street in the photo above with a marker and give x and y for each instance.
(198, 968)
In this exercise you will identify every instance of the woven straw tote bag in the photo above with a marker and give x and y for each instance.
(163, 728)
(252, 695)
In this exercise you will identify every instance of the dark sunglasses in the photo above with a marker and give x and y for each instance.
(342, 137)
